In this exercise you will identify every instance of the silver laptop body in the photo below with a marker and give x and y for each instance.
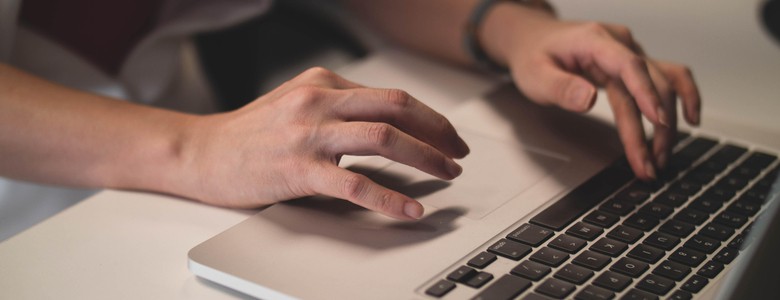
(525, 158)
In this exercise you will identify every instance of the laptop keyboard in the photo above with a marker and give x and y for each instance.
(617, 237)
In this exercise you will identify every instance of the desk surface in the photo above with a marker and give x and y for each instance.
(134, 245)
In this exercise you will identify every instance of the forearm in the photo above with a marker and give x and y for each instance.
(53, 134)
(437, 27)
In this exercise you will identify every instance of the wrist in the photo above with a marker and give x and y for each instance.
(156, 159)
(506, 26)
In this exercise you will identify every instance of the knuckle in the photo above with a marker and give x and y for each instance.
(381, 134)
(318, 72)
(623, 32)
(399, 98)
(384, 202)
(354, 186)
(305, 95)
(595, 27)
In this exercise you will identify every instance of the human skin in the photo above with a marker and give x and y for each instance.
(555, 62)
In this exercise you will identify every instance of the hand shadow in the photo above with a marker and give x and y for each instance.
(550, 128)
(344, 221)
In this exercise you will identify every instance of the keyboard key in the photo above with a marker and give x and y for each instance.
(594, 293)
(692, 216)
(717, 193)
(706, 205)
(630, 267)
(702, 243)
(739, 242)
(585, 231)
(695, 284)
(744, 207)
(531, 270)
(567, 243)
(479, 280)
(677, 228)
(550, 257)
(695, 149)
(535, 296)
(717, 231)
(601, 218)
(745, 173)
(641, 221)
(672, 270)
(609, 247)
(655, 284)
(613, 281)
(633, 194)
(555, 288)
(592, 260)
(688, 188)
(672, 199)
(726, 255)
(530, 234)
(626, 234)
(646, 253)
(759, 160)
(728, 154)
(617, 207)
(710, 269)
(574, 274)
(583, 198)
(731, 219)
(731, 182)
(687, 256)
(440, 289)
(482, 260)
(658, 210)
(462, 274)
(700, 176)
(680, 295)
(635, 294)
(662, 241)
(510, 249)
(506, 287)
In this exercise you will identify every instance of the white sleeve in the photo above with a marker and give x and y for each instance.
(9, 11)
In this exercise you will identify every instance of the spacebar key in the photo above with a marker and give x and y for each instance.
(506, 287)
(583, 198)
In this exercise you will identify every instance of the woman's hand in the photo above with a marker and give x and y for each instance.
(561, 63)
(287, 144)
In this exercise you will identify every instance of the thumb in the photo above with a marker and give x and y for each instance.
(549, 84)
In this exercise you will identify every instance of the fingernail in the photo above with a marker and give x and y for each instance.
(454, 169)
(413, 210)
(663, 118)
(579, 98)
(650, 169)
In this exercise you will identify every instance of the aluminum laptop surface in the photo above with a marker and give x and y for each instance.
(525, 158)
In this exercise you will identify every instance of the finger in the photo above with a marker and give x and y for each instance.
(682, 80)
(629, 125)
(620, 63)
(664, 136)
(336, 182)
(624, 35)
(367, 138)
(547, 83)
(403, 111)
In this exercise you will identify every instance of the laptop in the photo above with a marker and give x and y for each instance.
(546, 208)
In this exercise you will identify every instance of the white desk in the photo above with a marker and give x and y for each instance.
(134, 245)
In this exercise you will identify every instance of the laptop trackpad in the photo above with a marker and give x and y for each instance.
(494, 172)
